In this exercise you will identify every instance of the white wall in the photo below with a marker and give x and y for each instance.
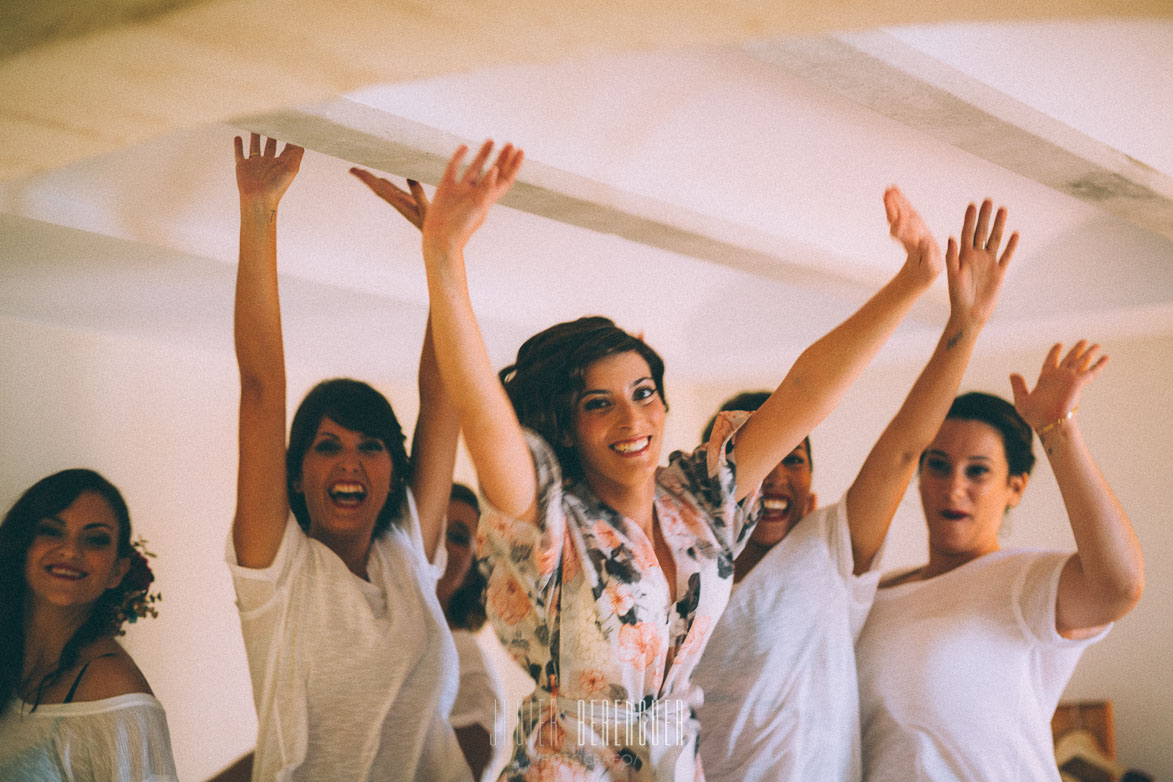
(159, 420)
(1122, 415)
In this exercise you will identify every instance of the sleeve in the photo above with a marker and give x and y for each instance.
(132, 744)
(476, 698)
(410, 528)
(256, 588)
(709, 475)
(528, 553)
(1035, 595)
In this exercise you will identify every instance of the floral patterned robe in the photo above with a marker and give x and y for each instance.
(579, 600)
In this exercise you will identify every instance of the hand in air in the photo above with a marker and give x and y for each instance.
(413, 205)
(974, 269)
(906, 226)
(461, 202)
(264, 176)
(1057, 392)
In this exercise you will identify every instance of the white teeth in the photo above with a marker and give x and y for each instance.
(632, 446)
(776, 505)
(67, 572)
(348, 492)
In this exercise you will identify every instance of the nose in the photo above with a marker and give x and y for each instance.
(957, 484)
(776, 479)
(70, 547)
(628, 414)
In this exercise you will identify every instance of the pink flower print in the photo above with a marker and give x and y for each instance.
(555, 768)
(592, 681)
(639, 644)
(570, 565)
(507, 600)
(618, 598)
(499, 523)
(547, 560)
(697, 638)
(606, 536)
(550, 736)
(644, 556)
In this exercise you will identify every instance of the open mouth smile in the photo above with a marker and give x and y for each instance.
(66, 572)
(347, 494)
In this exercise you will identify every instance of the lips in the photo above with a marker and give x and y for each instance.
(633, 447)
(775, 506)
(347, 494)
(953, 515)
(66, 572)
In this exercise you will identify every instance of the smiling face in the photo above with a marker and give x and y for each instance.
(619, 423)
(786, 497)
(73, 557)
(345, 479)
(966, 489)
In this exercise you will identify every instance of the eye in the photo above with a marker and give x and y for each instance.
(458, 538)
(794, 460)
(936, 465)
(98, 540)
(644, 393)
(327, 445)
(372, 446)
(595, 403)
(46, 529)
(977, 472)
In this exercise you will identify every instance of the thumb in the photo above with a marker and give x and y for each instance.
(1021, 393)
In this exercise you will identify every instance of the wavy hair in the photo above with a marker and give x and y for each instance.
(545, 382)
(48, 497)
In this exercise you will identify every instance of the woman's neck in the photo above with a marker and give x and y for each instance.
(636, 502)
(352, 550)
(47, 629)
(942, 562)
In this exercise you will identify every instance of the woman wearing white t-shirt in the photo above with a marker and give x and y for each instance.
(962, 660)
(353, 668)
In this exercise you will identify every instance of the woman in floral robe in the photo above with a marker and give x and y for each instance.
(606, 571)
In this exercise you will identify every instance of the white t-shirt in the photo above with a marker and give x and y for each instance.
(122, 738)
(480, 700)
(779, 677)
(959, 675)
(352, 680)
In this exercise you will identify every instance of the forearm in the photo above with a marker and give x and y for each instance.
(1109, 564)
(257, 314)
(875, 494)
(819, 379)
(433, 447)
(491, 430)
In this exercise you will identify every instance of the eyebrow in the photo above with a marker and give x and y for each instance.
(973, 457)
(93, 524)
(645, 379)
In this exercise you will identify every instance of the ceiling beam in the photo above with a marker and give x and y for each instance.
(379, 140)
(902, 83)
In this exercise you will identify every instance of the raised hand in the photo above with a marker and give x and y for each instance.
(1056, 394)
(413, 205)
(906, 226)
(975, 270)
(263, 176)
(460, 203)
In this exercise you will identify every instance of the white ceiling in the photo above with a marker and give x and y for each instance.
(769, 168)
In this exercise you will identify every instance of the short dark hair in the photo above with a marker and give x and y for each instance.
(545, 382)
(1017, 436)
(360, 408)
(461, 493)
(749, 401)
(48, 497)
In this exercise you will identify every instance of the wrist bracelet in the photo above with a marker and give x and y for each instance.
(1070, 413)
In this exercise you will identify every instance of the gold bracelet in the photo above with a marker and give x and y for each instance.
(1070, 413)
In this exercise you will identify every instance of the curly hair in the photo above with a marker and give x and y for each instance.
(545, 382)
(360, 408)
(48, 497)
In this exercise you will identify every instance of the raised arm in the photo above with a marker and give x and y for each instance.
(262, 177)
(825, 370)
(437, 429)
(1104, 579)
(504, 466)
(975, 274)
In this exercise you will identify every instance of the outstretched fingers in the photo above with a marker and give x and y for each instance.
(983, 226)
(472, 174)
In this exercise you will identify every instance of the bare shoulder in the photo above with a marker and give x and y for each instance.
(111, 672)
